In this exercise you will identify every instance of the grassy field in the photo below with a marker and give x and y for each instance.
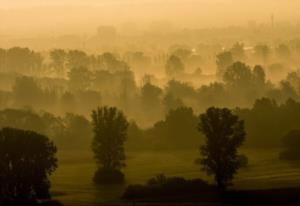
(72, 182)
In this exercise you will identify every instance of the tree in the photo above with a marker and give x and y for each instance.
(27, 91)
(58, 59)
(263, 52)
(291, 143)
(238, 51)
(76, 58)
(110, 63)
(283, 51)
(238, 74)
(79, 78)
(224, 133)
(27, 159)
(224, 60)
(174, 66)
(110, 132)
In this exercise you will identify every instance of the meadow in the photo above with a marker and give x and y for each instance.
(72, 182)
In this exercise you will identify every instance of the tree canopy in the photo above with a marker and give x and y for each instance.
(224, 133)
(27, 160)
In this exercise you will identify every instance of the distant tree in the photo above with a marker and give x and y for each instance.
(3, 66)
(182, 53)
(79, 78)
(58, 59)
(77, 59)
(27, 92)
(224, 60)
(294, 79)
(150, 95)
(224, 133)
(238, 74)
(238, 51)
(23, 60)
(291, 144)
(179, 126)
(27, 160)
(78, 130)
(110, 132)
(110, 63)
(263, 52)
(283, 51)
(170, 102)
(180, 90)
(174, 66)
(259, 75)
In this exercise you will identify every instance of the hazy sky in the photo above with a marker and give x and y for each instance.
(65, 16)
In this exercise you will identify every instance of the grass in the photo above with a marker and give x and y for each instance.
(72, 182)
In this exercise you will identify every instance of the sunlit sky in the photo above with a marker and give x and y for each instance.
(39, 15)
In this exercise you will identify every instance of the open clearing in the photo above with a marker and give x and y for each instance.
(72, 182)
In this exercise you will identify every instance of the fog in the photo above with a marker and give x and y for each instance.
(137, 101)
(67, 16)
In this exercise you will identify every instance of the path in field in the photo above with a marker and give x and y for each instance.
(72, 182)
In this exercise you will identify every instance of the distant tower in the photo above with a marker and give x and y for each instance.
(272, 20)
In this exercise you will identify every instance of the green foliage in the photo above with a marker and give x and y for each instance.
(27, 160)
(224, 133)
(110, 132)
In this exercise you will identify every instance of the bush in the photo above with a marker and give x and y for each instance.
(291, 143)
(105, 176)
(162, 187)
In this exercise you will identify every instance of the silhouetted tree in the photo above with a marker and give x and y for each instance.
(223, 61)
(170, 102)
(27, 159)
(291, 143)
(283, 51)
(27, 92)
(58, 59)
(263, 52)
(79, 78)
(174, 66)
(238, 74)
(224, 133)
(259, 76)
(238, 51)
(76, 59)
(110, 63)
(110, 132)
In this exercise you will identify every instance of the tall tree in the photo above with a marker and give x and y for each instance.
(26, 160)
(110, 132)
(224, 133)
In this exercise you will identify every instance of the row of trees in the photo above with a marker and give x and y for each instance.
(241, 85)
(163, 134)
(28, 158)
(224, 134)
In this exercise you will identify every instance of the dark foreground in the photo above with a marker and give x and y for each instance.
(280, 197)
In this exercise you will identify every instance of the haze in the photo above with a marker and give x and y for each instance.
(67, 16)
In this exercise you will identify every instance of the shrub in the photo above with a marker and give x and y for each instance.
(105, 176)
